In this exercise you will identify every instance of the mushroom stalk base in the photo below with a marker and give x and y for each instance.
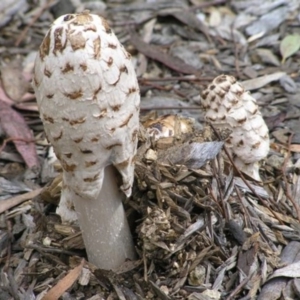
(104, 225)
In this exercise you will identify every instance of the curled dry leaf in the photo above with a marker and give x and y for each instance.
(16, 128)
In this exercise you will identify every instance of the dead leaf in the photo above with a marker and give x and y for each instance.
(193, 155)
(155, 53)
(4, 97)
(13, 82)
(292, 271)
(268, 57)
(256, 83)
(16, 128)
(64, 284)
(295, 148)
(14, 201)
(289, 46)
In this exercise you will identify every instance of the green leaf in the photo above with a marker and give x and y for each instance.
(289, 46)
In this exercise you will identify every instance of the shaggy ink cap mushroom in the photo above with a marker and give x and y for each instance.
(88, 96)
(228, 105)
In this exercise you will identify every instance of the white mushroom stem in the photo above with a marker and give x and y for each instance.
(88, 97)
(106, 232)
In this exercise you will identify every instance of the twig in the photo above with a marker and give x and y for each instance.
(34, 19)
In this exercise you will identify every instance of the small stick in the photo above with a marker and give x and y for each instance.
(34, 19)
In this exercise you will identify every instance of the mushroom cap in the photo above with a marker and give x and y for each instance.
(88, 97)
(228, 105)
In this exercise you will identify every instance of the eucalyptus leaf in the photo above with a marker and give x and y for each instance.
(289, 46)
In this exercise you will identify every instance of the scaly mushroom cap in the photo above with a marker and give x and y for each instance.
(88, 96)
(227, 104)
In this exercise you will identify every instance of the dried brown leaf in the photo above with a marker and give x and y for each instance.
(256, 83)
(17, 130)
(292, 271)
(155, 53)
(64, 284)
(11, 202)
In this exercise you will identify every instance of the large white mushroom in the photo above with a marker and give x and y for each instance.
(228, 105)
(88, 97)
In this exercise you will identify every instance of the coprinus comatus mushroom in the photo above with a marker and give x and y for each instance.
(228, 105)
(88, 97)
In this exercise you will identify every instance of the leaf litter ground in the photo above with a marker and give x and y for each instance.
(202, 230)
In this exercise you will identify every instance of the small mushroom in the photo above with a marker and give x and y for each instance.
(228, 105)
(88, 97)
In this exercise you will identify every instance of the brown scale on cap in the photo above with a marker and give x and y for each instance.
(77, 41)
(123, 164)
(90, 163)
(116, 107)
(91, 179)
(96, 91)
(74, 95)
(78, 140)
(67, 68)
(112, 46)
(58, 137)
(83, 66)
(77, 121)
(45, 47)
(86, 151)
(48, 118)
(126, 121)
(106, 26)
(59, 45)
(68, 167)
(47, 73)
(83, 18)
(113, 146)
(97, 47)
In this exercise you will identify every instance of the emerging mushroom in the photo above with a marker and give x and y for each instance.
(228, 105)
(88, 97)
